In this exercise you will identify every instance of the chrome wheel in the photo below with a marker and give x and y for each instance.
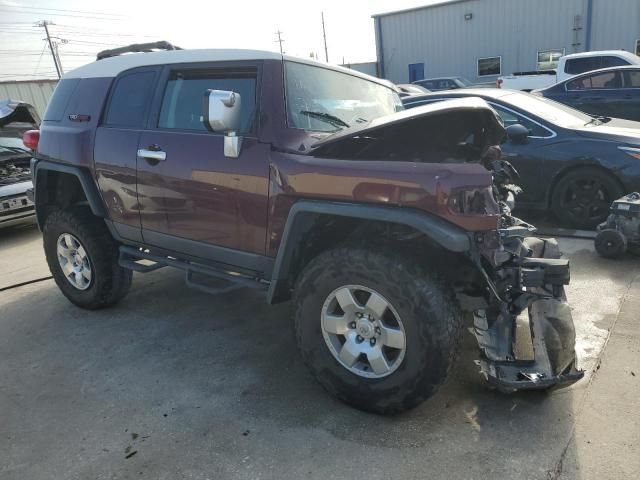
(363, 331)
(74, 261)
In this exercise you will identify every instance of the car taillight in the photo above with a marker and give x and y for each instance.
(30, 138)
(499, 83)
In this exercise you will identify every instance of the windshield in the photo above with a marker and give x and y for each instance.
(553, 112)
(325, 100)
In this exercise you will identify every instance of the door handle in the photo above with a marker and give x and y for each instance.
(155, 155)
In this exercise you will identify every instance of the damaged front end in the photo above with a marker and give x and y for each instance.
(525, 330)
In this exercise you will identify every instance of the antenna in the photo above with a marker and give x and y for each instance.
(324, 34)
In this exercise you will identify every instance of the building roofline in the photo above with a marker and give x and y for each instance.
(424, 7)
(39, 80)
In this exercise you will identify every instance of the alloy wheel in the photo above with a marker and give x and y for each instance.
(363, 331)
(74, 261)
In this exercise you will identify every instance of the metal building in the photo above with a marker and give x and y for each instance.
(35, 92)
(482, 39)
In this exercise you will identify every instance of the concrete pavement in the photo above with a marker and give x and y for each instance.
(173, 383)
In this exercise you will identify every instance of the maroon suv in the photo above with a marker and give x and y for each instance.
(388, 229)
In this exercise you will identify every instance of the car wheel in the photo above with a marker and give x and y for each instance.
(582, 197)
(610, 243)
(83, 259)
(377, 331)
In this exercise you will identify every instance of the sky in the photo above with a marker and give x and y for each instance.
(83, 28)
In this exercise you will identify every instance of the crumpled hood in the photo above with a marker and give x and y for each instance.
(490, 119)
(16, 111)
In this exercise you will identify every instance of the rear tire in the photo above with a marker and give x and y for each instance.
(79, 246)
(418, 305)
(582, 197)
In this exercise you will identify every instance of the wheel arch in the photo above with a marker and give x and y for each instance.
(58, 185)
(571, 168)
(302, 237)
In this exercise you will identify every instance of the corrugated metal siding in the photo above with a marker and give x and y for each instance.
(37, 93)
(616, 24)
(516, 30)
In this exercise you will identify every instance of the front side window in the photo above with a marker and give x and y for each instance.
(325, 100)
(512, 118)
(638, 47)
(599, 81)
(489, 66)
(130, 100)
(183, 97)
(548, 59)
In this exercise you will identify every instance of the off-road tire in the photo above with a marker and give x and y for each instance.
(431, 318)
(110, 282)
(608, 184)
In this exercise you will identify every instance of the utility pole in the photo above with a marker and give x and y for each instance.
(54, 51)
(324, 34)
(280, 40)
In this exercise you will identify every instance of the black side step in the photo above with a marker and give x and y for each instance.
(131, 256)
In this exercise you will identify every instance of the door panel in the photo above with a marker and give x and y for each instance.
(115, 167)
(208, 197)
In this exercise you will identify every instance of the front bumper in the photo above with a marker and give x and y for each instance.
(527, 337)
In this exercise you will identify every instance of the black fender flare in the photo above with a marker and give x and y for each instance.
(304, 212)
(83, 175)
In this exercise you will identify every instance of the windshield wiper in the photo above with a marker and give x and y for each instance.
(598, 120)
(326, 117)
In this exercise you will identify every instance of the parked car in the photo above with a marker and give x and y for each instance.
(309, 181)
(609, 92)
(409, 89)
(568, 66)
(15, 175)
(570, 163)
(444, 83)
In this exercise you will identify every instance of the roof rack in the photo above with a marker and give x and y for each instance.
(137, 48)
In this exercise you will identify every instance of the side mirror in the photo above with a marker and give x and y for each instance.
(518, 133)
(221, 114)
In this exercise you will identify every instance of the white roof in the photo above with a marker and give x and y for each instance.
(633, 59)
(112, 66)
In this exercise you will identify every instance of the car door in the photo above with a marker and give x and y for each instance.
(209, 200)
(631, 95)
(598, 93)
(115, 145)
(527, 158)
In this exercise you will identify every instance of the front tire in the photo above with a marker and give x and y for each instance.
(83, 259)
(582, 197)
(377, 330)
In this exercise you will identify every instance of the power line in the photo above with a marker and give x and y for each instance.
(63, 10)
(16, 12)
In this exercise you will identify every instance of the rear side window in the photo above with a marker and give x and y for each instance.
(130, 100)
(183, 97)
(575, 66)
(60, 99)
(633, 79)
(598, 81)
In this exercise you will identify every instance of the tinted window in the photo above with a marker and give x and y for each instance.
(633, 79)
(183, 97)
(575, 66)
(130, 100)
(489, 66)
(60, 99)
(605, 80)
(613, 62)
(428, 85)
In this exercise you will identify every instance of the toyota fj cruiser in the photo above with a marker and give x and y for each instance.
(386, 228)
